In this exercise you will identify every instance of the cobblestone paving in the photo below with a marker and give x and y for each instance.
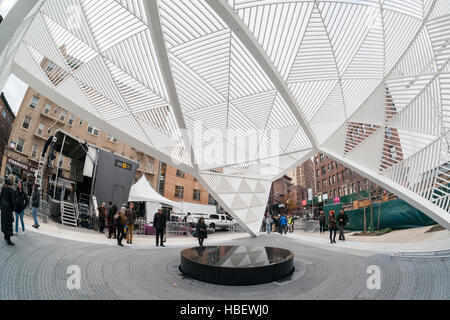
(36, 269)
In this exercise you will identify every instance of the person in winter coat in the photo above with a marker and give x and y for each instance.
(268, 221)
(120, 221)
(283, 224)
(131, 220)
(202, 232)
(112, 210)
(35, 203)
(7, 205)
(322, 221)
(159, 223)
(342, 222)
(101, 217)
(21, 204)
(332, 226)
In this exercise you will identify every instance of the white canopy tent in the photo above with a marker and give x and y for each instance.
(143, 192)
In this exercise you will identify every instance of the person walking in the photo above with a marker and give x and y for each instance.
(120, 219)
(283, 224)
(342, 222)
(291, 224)
(159, 223)
(275, 223)
(332, 226)
(112, 210)
(7, 205)
(21, 204)
(268, 221)
(202, 231)
(131, 220)
(101, 217)
(35, 203)
(322, 220)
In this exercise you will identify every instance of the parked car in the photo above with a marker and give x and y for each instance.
(213, 221)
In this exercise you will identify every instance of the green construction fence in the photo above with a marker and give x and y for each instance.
(394, 214)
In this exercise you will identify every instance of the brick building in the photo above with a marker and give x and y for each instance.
(7, 118)
(302, 180)
(334, 180)
(280, 194)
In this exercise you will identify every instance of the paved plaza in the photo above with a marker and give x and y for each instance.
(36, 268)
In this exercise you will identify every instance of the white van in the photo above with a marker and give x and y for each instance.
(213, 221)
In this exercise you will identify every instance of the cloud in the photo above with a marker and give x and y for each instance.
(14, 91)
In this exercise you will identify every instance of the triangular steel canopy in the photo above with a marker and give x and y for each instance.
(239, 92)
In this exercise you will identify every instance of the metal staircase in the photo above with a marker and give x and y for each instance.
(69, 214)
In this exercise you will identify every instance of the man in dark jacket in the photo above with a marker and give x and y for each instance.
(112, 210)
(101, 217)
(7, 205)
(35, 203)
(131, 220)
(342, 222)
(159, 223)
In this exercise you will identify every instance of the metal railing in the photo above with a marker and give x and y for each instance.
(177, 229)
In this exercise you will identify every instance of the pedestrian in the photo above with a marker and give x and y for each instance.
(159, 223)
(120, 219)
(202, 232)
(101, 217)
(332, 226)
(21, 204)
(291, 224)
(283, 224)
(7, 205)
(35, 203)
(131, 219)
(322, 220)
(275, 223)
(342, 222)
(112, 210)
(268, 221)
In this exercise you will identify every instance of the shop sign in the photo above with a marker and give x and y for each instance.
(21, 165)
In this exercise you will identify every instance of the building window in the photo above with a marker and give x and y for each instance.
(92, 130)
(393, 152)
(61, 162)
(179, 192)
(20, 145)
(318, 185)
(363, 128)
(81, 122)
(211, 200)
(329, 180)
(34, 102)
(334, 179)
(63, 116)
(40, 129)
(388, 133)
(71, 120)
(322, 158)
(324, 183)
(196, 195)
(110, 138)
(339, 192)
(324, 170)
(26, 122)
(318, 172)
(47, 108)
(34, 151)
(180, 174)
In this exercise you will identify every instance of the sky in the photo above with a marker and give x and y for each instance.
(14, 89)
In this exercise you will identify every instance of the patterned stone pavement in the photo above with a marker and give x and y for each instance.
(36, 269)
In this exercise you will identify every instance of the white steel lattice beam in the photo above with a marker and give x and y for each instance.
(239, 28)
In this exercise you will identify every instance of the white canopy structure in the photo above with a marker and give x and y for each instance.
(239, 92)
(143, 192)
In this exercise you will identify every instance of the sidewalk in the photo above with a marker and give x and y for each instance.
(57, 230)
(410, 240)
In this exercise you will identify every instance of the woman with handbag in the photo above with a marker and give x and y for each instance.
(120, 221)
(21, 204)
(201, 230)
